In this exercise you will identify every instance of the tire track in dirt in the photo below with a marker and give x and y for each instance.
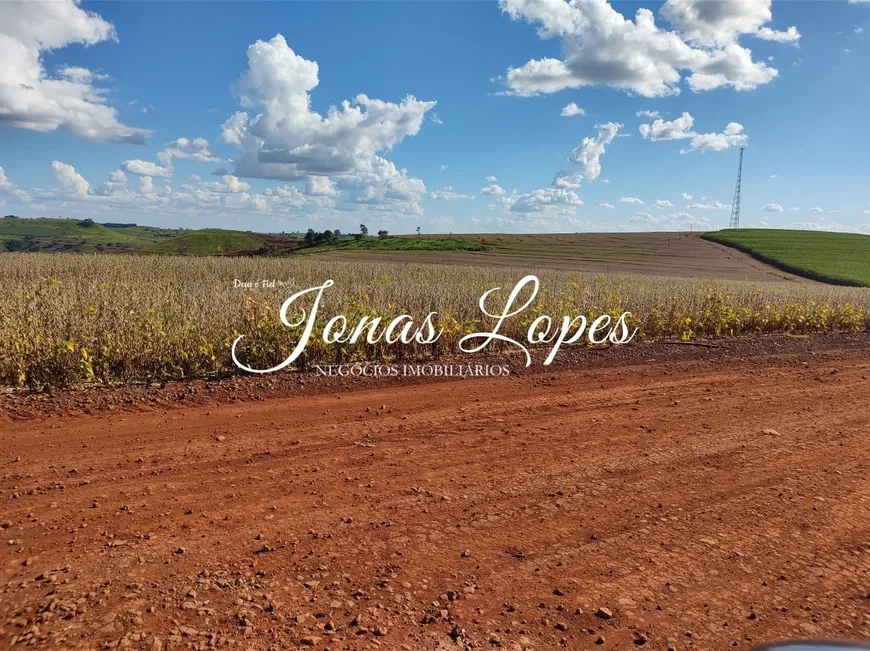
(482, 512)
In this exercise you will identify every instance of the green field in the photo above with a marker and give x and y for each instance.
(209, 241)
(48, 235)
(78, 236)
(838, 258)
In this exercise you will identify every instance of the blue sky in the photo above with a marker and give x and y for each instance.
(124, 111)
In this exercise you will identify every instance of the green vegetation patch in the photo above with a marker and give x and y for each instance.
(209, 241)
(837, 258)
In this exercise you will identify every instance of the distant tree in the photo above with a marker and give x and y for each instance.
(328, 236)
(337, 233)
(418, 231)
(383, 234)
(86, 223)
(310, 237)
(363, 229)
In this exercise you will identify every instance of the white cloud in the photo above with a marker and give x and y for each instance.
(677, 129)
(492, 189)
(816, 209)
(146, 168)
(320, 186)
(7, 187)
(794, 209)
(587, 156)
(681, 128)
(570, 110)
(733, 136)
(196, 149)
(772, 207)
(288, 141)
(663, 203)
(210, 198)
(448, 194)
(443, 168)
(606, 205)
(32, 98)
(601, 47)
(859, 30)
(70, 179)
(632, 200)
(652, 115)
(710, 205)
(723, 23)
(791, 35)
(435, 119)
(491, 179)
(686, 196)
(539, 200)
(867, 212)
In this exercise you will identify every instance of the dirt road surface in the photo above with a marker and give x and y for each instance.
(679, 504)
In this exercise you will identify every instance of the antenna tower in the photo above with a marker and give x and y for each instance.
(735, 206)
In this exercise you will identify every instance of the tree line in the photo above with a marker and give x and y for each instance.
(313, 238)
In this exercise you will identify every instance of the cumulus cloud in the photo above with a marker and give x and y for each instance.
(717, 24)
(709, 205)
(448, 194)
(631, 200)
(227, 194)
(732, 136)
(539, 200)
(682, 128)
(587, 157)
(663, 203)
(677, 129)
(9, 188)
(601, 47)
(571, 109)
(686, 196)
(652, 115)
(772, 207)
(320, 186)
(287, 140)
(816, 209)
(31, 97)
(491, 179)
(492, 189)
(606, 205)
(68, 177)
(196, 149)
(146, 168)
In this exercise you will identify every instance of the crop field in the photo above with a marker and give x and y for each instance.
(839, 258)
(679, 255)
(69, 319)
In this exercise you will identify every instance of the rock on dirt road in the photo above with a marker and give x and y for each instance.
(613, 508)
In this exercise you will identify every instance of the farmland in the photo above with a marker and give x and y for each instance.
(839, 258)
(677, 255)
(71, 319)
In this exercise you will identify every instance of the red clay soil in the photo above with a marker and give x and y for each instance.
(687, 504)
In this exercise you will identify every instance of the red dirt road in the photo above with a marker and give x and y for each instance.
(599, 508)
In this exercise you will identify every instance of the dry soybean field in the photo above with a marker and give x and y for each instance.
(71, 319)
